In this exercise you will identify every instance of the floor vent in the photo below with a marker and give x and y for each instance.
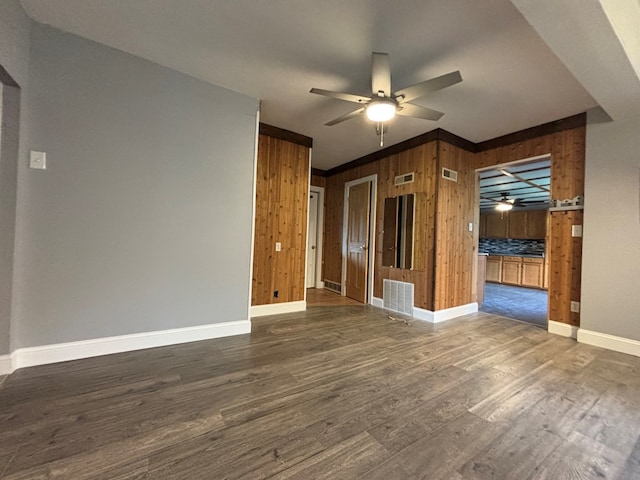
(397, 296)
(334, 287)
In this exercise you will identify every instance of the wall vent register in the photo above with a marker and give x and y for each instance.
(405, 178)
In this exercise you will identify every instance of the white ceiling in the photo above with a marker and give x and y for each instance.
(276, 50)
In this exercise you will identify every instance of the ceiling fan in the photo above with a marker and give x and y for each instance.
(505, 204)
(383, 104)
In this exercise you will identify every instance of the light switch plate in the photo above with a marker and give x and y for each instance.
(278, 246)
(38, 160)
(471, 226)
(576, 230)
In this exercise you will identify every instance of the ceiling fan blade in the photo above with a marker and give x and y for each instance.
(410, 110)
(380, 74)
(424, 88)
(348, 97)
(345, 117)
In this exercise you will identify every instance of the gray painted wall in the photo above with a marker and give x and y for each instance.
(9, 146)
(611, 246)
(15, 29)
(142, 220)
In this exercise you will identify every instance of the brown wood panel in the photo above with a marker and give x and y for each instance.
(536, 224)
(455, 246)
(564, 266)
(532, 273)
(422, 161)
(318, 181)
(282, 198)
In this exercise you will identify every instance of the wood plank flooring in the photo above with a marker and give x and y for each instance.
(324, 297)
(342, 392)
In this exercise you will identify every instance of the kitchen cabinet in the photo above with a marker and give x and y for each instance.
(511, 270)
(536, 224)
(520, 271)
(497, 225)
(532, 272)
(494, 268)
(518, 225)
(523, 225)
(482, 278)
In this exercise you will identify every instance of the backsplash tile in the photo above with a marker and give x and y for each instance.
(507, 246)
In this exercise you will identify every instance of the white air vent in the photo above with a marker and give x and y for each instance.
(402, 179)
(397, 296)
(449, 174)
(333, 286)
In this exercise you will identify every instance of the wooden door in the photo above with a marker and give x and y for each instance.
(312, 238)
(358, 241)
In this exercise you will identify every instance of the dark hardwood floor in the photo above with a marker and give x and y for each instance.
(335, 393)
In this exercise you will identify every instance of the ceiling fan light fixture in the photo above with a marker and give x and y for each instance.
(504, 206)
(381, 110)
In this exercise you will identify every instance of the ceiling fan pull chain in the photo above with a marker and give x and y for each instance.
(381, 126)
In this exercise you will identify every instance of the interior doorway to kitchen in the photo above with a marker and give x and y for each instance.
(512, 237)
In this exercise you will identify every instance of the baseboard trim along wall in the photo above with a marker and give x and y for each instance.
(562, 329)
(438, 315)
(610, 342)
(62, 352)
(5, 364)
(277, 308)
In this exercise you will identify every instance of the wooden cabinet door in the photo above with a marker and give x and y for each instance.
(497, 225)
(494, 269)
(532, 272)
(511, 270)
(536, 224)
(517, 224)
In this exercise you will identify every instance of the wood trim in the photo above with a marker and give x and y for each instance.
(385, 152)
(286, 135)
(579, 120)
(7, 79)
(575, 121)
(318, 172)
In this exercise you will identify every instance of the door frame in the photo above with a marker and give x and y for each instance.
(371, 257)
(317, 282)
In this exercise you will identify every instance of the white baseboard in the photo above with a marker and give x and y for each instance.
(62, 352)
(438, 315)
(562, 329)
(422, 314)
(277, 308)
(610, 342)
(5, 365)
(454, 312)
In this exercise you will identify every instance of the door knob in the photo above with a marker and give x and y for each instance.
(313, 247)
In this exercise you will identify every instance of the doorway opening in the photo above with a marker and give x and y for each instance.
(512, 239)
(315, 233)
(358, 242)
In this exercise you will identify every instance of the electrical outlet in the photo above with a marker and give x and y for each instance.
(575, 307)
(275, 294)
(576, 230)
(278, 246)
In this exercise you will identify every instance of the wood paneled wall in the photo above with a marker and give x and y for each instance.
(318, 180)
(422, 161)
(443, 277)
(567, 150)
(455, 246)
(282, 199)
